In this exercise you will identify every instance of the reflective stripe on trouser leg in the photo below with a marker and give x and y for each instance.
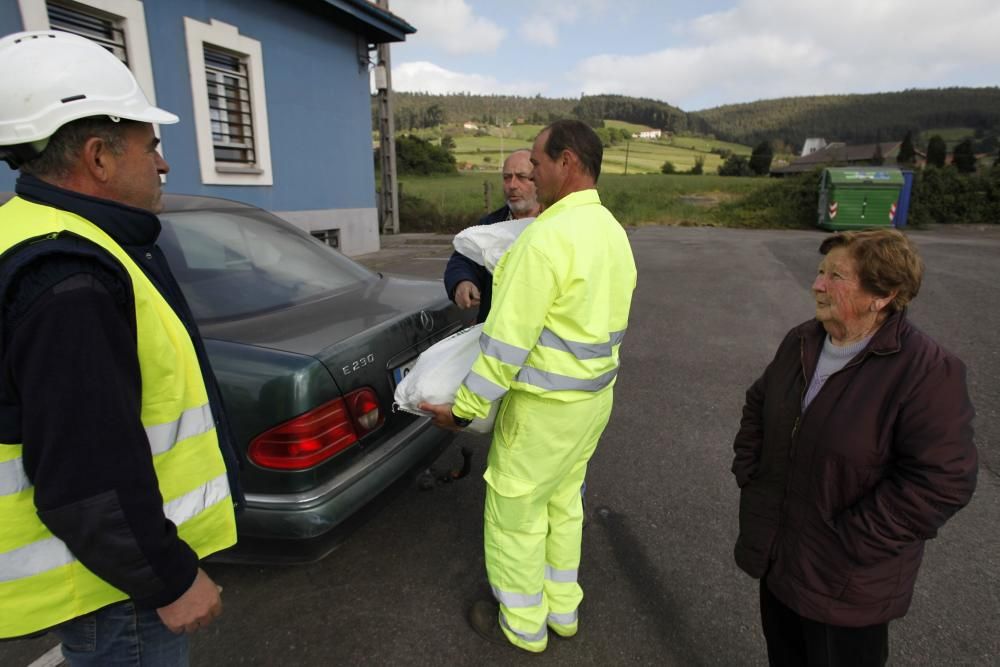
(540, 448)
(562, 548)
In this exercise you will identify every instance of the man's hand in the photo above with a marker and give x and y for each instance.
(466, 294)
(442, 415)
(198, 607)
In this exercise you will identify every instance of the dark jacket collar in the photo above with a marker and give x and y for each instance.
(887, 340)
(125, 224)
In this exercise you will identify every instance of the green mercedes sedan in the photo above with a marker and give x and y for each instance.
(307, 346)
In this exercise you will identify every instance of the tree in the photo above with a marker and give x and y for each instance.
(448, 143)
(964, 157)
(419, 156)
(699, 165)
(937, 151)
(668, 168)
(735, 165)
(760, 159)
(907, 153)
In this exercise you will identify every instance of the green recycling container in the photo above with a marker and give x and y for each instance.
(859, 197)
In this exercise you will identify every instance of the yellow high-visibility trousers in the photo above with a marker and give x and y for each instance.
(533, 521)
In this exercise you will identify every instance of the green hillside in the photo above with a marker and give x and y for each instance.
(849, 118)
(856, 118)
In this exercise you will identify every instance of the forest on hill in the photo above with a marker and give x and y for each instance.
(856, 119)
(861, 118)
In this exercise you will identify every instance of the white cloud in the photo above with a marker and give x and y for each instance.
(772, 48)
(449, 25)
(542, 27)
(426, 77)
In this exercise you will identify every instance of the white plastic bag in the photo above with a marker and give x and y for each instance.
(439, 373)
(486, 244)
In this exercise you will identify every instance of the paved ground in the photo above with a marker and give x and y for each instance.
(661, 587)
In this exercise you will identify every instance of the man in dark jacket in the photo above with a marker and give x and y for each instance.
(855, 447)
(469, 284)
(117, 471)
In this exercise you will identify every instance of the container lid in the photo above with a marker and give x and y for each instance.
(885, 176)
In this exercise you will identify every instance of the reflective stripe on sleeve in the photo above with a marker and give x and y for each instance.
(516, 600)
(581, 351)
(480, 386)
(534, 637)
(560, 576)
(508, 354)
(12, 477)
(568, 618)
(617, 337)
(192, 422)
(555, 382)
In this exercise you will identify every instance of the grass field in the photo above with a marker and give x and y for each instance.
(449, 203)
(486, 153)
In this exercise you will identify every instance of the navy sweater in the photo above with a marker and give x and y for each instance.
(462, 268)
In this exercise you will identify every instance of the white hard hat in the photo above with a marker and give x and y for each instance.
(49, 78)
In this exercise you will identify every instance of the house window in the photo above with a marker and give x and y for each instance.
(106, 31)
(331, 237)
(230, 107)
(117, 25)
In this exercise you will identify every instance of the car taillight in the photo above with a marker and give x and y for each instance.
(317, 435)
(363, 405)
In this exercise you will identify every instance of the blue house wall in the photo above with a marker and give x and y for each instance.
(318, 107)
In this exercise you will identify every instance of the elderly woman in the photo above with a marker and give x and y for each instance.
(854, 448)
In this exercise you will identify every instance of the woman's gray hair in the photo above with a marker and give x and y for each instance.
(887, 262)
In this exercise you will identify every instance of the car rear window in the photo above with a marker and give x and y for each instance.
(232, 264)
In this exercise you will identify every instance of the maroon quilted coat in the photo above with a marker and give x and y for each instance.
(837, 502)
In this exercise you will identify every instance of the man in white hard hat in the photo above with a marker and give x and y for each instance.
(116, 472)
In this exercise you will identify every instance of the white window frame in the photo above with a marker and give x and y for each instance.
(227, 37)
(131, 15)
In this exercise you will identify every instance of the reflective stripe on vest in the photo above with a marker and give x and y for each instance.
(555, 382)
(547, 380)
(12, 477)
(192, 422)
(51, 553)
(581, 351)
(162, 437)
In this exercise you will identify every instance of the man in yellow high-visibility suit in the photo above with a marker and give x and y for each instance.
(550, 352)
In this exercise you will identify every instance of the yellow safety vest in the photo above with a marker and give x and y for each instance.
(41, 583)
(561, 299)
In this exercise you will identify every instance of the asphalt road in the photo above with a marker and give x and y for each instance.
(661, 587)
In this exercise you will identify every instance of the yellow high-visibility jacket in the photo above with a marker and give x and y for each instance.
(41, 582)
(561, 299)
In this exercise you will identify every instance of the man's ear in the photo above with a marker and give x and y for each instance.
(567, 157)
(96, 159)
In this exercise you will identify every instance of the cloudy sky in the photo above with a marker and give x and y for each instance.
(695, 54)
